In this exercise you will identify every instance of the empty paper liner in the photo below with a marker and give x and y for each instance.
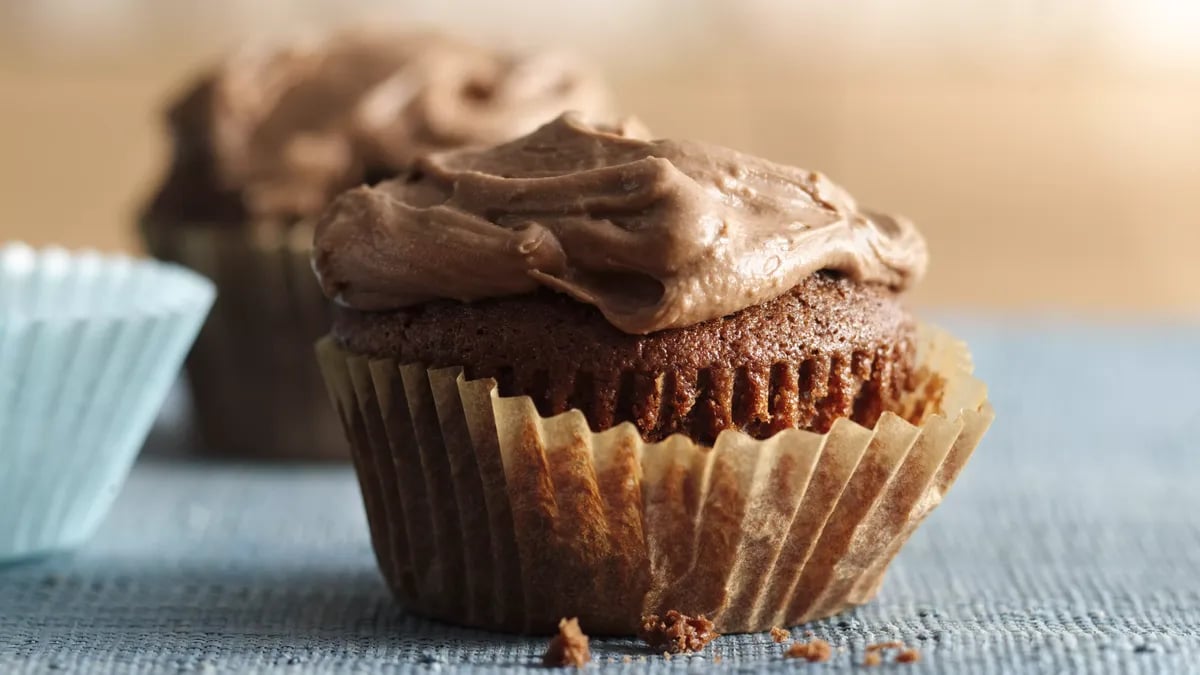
(89, 346)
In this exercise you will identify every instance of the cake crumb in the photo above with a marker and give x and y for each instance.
(817, 651)
(717, 658)
(569, 647)
(676, 632)
(667, 655)
(779, 635)
(906, 654)
(627, 659)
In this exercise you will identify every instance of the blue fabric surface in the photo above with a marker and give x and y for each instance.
(1071, 543)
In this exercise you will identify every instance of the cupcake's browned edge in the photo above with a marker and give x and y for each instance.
(829, 348)
(607, 548)
(255, 389)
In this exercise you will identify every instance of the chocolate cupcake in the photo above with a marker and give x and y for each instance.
(262, 143)
(616, 376)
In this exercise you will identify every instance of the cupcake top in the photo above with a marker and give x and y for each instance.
(657, 234)
(277, 133)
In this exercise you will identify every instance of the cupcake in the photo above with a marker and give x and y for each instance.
(588, 374)
(89, 346)
(262, 142)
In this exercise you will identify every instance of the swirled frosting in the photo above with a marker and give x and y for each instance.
(655, 233)
(282, 130)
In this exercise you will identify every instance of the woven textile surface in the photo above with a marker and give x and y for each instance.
(1071, 544)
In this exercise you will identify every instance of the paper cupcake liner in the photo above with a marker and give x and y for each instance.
(485, 513)
(89, 346)
(255, 388)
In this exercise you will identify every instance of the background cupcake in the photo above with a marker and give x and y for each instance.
(261, 143)
(616, 377)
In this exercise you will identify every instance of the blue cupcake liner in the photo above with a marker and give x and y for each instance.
(89, 347)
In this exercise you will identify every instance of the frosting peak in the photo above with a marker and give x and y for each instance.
(655, 233)
(286, 128)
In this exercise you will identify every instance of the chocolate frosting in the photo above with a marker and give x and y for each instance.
(655, 233)
(281, 131)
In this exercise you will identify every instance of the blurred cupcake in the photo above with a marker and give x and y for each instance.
(587, 374)
(262, 142)
(89, 346)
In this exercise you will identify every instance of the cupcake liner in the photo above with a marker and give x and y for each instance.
(485, 513)
(255, 388)
(89, 346)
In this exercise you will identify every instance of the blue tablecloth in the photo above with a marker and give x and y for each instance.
(1070, 544)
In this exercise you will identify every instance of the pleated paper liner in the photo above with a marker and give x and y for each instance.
(255, 388)
(89, 346)
(484, 513)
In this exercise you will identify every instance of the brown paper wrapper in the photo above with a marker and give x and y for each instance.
(484, 513)
(255, 388)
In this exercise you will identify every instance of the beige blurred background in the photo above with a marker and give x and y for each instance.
(1050, 151)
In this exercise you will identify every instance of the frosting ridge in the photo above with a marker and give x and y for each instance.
(655, 233)
(282, 129)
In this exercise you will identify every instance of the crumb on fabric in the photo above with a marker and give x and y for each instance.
(717, 658)
(627, 659)
(569, 647)
(676, 632)
(905, 654)
(779, 634)
(816, 651)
